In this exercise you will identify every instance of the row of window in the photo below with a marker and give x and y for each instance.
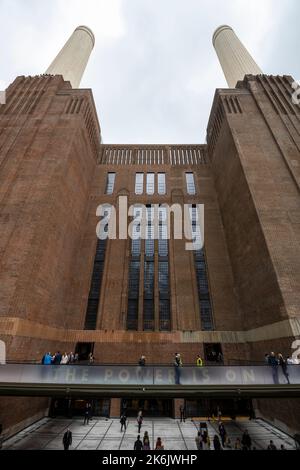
(147, 263)
(153, 184)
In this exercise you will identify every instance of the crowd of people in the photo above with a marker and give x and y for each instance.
(58, 359)
(223, 441)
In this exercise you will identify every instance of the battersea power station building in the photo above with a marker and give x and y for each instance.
(62, 288)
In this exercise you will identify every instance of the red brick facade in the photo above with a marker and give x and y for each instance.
(53, 173)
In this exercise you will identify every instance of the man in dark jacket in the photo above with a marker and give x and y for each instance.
(123, 421)
(274, 364)
(138, 445)
(67, 439)
(246, 441)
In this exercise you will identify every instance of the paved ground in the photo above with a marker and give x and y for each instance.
(105, 435)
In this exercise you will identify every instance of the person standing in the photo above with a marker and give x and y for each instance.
(205, 441)
(223, 433)
(91, 359)
(57, 359)
(67, 439)
(283, 363)
(123, 422)
(87, 412)
(177, 365)
(267, 358)
(48, 359)
(246, 441)
(182, 413)
(238, 445)
(138, 445)
(146, 441)
(142, 361)
(271, 446)
(199, 361)
(274, 364)
(64, 360)
(159, 444)
(217, 443)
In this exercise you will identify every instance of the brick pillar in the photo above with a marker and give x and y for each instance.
(115, 408)
(178, 402)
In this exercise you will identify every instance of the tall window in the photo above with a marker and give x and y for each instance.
(152, 257)
(203, 291)
(149, 266)
(96, 283)
(150, 184)
(163, 273)
(110, 184)
(139, 183)
(190, 184)
(162, 184)
(201, 272)
(134, 279)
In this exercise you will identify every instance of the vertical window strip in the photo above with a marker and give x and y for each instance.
(139, 183)
(95, 289)
(150, 184)
(110, 185)
(190, 184)
(203, 291)
(162, 184)
(164, 273)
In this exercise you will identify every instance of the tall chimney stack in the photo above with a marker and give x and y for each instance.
(234, 58)
(72, 60)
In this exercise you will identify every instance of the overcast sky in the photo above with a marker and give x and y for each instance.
(153, 70)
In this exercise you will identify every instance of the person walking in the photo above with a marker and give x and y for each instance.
(123, 422)
(246, 441)
(223, 433)
(199, 361)
(205, 441)
(217, 443)
(283, 363)
(274, 364)
(159, 444)
(138, 445)
(87, 414)
(146, 441)
(140, 420)
(67, 439)
(198, 440)
(182, 413)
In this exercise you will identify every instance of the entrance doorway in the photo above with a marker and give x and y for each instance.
(209, 408)
(83, 350)
(72, 408)
(151, 407)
